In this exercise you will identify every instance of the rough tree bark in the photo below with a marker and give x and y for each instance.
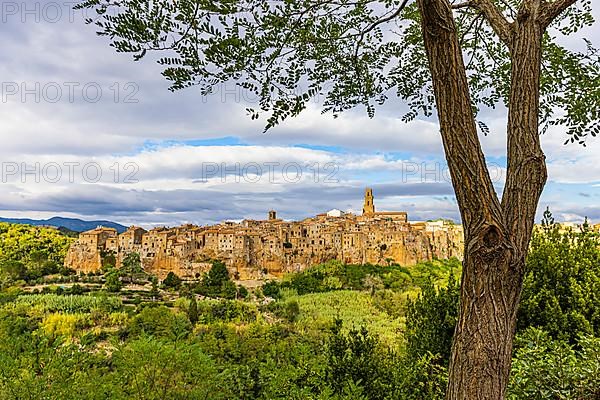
(497, 233)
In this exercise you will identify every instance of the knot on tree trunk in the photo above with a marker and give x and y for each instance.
(491, 244)
(492, 236)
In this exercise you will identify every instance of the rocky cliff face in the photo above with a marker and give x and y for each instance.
(82, 258)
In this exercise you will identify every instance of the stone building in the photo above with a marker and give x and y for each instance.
(256, 249)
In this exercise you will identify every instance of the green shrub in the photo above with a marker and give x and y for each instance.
(227, 311)
(287, 310)
(431, 320)
(193, 311)
(359, 366)
(172, 281)
(228, 290)
(242, 292)
(271, 289)
(544, 368)
(160, 322)
(561, 286)
(113, 282)
(155, 370)
(217, 275)
(354, 358)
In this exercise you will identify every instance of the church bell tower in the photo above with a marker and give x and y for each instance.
(368, 207)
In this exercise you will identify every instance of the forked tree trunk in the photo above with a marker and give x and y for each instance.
(496, 234)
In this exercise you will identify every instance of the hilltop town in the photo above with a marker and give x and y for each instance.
(255, 249)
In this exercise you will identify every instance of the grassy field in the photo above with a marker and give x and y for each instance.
(355, 309)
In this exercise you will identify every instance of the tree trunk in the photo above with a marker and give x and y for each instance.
(496, 234)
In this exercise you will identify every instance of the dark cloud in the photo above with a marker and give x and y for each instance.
(210, 205)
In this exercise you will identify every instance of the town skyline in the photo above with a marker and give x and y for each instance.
(271, 247)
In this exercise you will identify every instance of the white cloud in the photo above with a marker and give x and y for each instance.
(375, 152)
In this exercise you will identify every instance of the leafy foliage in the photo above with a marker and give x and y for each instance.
(217, 275)
(334, 275)
(227, 311)
(113, 280)
(131, 266)
(287, 53)
(172, 280)
(193, 311)
(28, 253)
(271, 289)
(562, 282)
(357, 363)
(160, 322)
(550, 369)
(155, 369)
(431, 320)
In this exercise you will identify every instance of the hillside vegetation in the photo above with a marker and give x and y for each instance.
(29, 252)
(334, 331)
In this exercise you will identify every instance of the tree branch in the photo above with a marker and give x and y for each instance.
(478, 202)
(466, 4)
(496, 19)
(376, 24)
(551, 10)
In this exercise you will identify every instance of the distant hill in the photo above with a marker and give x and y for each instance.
(72, 224)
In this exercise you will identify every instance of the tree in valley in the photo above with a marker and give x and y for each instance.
(131, 266)
(193, 310)
(217, 275)
(113, 280)
(217, 283)
(172, 280)
(454, 57)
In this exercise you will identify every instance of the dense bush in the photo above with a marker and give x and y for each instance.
(160, 322)
(431, 320)
(358, 367)
(192, 311)
(172, 281)
(28, 252)
(288, 310)
(544, 368)
(226, 311)
(354, 359)
(271, 289)
(113, 282)
(144, 368)
(562, 284)
(156, 370)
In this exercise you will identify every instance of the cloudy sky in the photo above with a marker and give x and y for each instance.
(89, 133)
